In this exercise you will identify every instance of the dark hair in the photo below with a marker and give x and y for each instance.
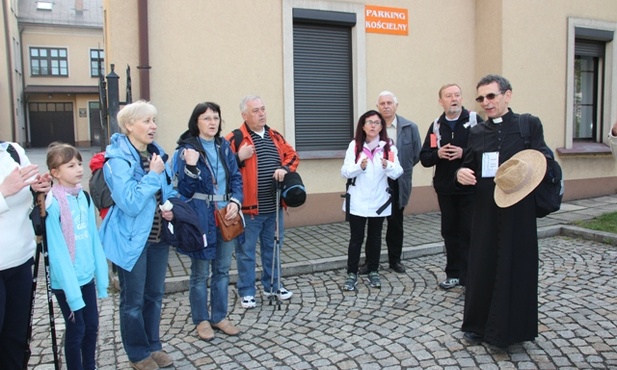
(361, 135)
(200, 109)
(504, 84)
(60, 153)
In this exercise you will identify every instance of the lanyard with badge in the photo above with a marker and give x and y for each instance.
(490, 160)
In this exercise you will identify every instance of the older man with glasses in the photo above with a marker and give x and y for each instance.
(501, 298)
(406, 138)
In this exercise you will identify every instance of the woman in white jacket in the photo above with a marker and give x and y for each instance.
(369, 161)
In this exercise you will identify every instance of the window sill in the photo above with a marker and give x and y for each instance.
(585, 148)
(322, 154)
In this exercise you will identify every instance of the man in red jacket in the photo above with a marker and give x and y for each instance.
(276, 158)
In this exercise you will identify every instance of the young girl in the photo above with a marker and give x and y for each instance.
(76, 256)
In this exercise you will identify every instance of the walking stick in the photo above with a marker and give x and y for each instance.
(38, 216)
(276, 255)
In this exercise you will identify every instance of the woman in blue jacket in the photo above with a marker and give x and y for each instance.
(209, 179)
(140, 181)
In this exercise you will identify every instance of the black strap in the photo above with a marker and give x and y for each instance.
(387, 203)
(13, 152)
(523, 125)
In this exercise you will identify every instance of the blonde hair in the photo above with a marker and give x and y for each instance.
(446, 86)
(60, 153)
(134, 111)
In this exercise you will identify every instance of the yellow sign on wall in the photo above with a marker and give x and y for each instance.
(382, 19)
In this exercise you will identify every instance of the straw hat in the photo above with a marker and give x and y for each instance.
(519, 176)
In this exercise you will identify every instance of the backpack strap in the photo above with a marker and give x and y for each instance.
(473, 119)
(523, 125)
(13, 152)
(436, 132)
(87, 197)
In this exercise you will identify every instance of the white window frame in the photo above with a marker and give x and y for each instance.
(610, 77)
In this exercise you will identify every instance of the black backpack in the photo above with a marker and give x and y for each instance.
(549, 193)
(99, 191)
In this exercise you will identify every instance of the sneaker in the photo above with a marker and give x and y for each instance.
(146, 364)
(282, 293)
(248, 301)
(374, 280)
(350, 282)
(449, 283)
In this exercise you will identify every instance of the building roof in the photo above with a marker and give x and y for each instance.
(72, 13)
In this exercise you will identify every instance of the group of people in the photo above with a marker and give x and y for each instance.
(211, 173)
(491, 249)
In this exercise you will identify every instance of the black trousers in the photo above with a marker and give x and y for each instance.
(394, 234)
(357, 225)
(15, 298)
(456, 216)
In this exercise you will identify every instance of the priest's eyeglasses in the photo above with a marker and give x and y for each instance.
(489, 96)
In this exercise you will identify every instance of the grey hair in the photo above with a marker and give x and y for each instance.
(246, 99)
(134, 111)
(387, 93)
(504, 84)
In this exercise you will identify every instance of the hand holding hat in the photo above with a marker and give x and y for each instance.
(519, 176)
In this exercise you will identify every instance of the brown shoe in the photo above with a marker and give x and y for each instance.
(162, 358)
(147, 364)
(204, 331)
(226, 327)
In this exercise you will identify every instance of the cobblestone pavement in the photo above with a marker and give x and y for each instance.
(409, 323)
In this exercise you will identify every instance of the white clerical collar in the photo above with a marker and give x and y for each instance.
(497, 120)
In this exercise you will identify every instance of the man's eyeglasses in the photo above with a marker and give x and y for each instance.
(372, 123)
(489, 96)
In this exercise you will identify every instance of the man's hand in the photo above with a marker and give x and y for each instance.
(465, 176)
(279, 174)
(245, 152)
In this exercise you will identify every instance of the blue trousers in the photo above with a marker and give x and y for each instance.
(82, 328)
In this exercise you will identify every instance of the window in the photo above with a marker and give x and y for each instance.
(97, 62)
(323, 83)
(49, 62)
(592, 80)
(588, 89)
(323, 67)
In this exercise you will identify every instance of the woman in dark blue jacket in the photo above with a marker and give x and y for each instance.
(209, 179)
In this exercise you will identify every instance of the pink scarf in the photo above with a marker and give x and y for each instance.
(66, 220)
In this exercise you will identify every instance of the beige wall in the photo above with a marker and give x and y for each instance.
(228, 50)
(11, 116)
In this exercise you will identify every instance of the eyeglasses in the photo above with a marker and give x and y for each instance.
(489, 96)
(210, 119)
(372, 123)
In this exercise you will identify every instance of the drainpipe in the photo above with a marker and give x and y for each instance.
(144, 61)
(7, 40)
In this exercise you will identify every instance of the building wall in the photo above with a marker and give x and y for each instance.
(11, 116)
(238, 49)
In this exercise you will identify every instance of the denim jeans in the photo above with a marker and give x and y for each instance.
(141, 297)
(219, 283)
(81, 329)
(15, 299)
(260, 227)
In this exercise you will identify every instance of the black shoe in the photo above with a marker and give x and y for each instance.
(398, 267)
(363, 270)
(472, 338)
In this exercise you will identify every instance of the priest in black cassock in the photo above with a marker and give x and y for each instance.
(501, 298)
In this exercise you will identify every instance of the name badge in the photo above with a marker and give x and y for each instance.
(490, 163)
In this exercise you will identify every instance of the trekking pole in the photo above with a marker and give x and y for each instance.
(40, 201)
(35, 274)
(276, 252)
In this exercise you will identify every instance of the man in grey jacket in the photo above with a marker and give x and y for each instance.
(406, 138)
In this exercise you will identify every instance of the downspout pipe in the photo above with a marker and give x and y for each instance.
(144, 60)
(9, 63)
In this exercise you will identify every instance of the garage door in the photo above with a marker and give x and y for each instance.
(51, 122)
